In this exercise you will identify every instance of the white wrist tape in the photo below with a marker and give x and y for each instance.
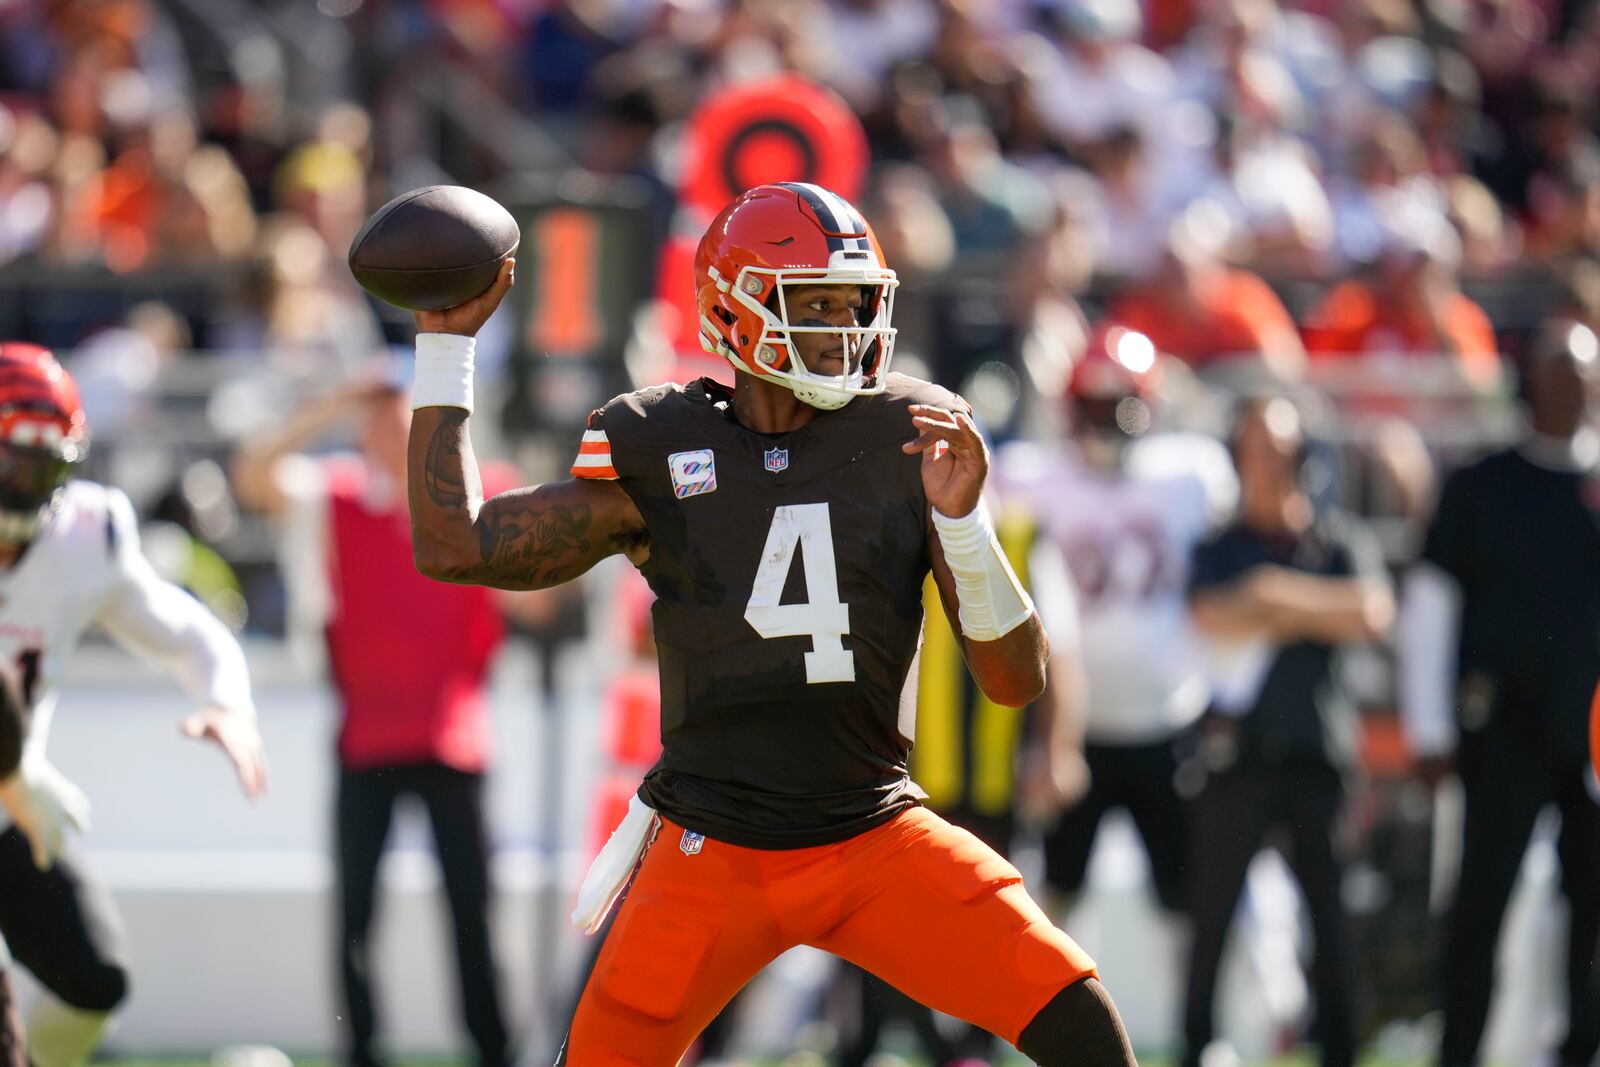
(444, 371)
(992, 601)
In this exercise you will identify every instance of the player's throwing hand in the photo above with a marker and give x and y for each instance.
(467, 319)
(955, 460)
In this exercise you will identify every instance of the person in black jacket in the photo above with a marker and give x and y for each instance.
(1277, 594)
(1500, 642)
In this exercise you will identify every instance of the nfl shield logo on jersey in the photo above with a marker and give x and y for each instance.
(692, 843)
(777, 459)
(693, 473)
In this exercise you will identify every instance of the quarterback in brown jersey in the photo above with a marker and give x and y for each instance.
(786, 526)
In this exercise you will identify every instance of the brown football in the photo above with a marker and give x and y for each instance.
(433, 248)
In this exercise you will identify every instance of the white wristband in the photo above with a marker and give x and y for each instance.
(991, 601)
(444, 371)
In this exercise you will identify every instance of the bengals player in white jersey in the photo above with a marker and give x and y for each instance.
(1125, 507)
(69, 559)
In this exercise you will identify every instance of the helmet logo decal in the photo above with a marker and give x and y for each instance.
(692, 473)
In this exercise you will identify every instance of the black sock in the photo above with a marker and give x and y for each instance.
(1080, 1026)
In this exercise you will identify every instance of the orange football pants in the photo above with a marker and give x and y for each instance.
(918, 902)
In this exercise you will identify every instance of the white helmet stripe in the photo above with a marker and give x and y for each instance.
(845, 219)
(836, 211)
(836, 215)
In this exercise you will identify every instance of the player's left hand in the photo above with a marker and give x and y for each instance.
(955, 461)
(235, 732)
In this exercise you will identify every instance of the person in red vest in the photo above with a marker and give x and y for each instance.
(408, 658)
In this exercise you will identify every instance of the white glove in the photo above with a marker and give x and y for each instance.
(43, 804)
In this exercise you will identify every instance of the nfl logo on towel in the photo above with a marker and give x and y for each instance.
(692, 843)
(693, 473)
(777, 459)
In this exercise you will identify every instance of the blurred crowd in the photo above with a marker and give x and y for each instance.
(124, 151)
(1389, 202)
(1237, 178)
(1271, 193)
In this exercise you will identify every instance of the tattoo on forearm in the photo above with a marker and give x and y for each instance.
(525, 539)
(541, 544)
(442, 471)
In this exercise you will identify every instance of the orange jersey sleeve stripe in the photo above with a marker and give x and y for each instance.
(594, 457)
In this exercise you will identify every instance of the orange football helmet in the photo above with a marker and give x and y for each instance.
(43, 437)
(777, 236)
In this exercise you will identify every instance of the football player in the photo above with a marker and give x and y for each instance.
(69, 558)
(786, 525)
(1125, 508)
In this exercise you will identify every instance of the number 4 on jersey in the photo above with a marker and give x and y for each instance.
(824, 617)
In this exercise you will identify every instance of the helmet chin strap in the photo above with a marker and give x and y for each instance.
(820, 396)
(820, 393)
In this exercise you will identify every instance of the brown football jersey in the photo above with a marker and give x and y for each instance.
(788, 571)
